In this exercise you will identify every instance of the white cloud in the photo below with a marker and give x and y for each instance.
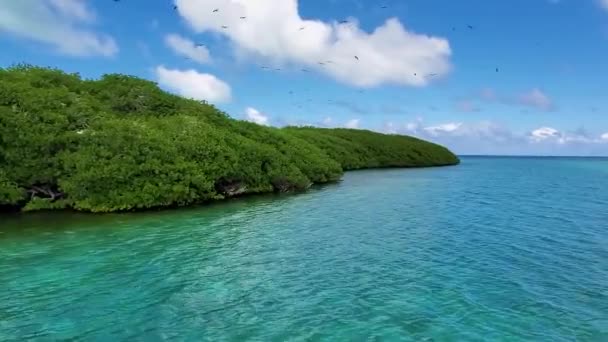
(274, 31)
(579, 136)
(537, 99)
(58, 23)
(354, 123)
(544, 133)
(443, 128)
(603, 4)
(487, 137)
(187, 48)
(256, 116)
(74, 8)
(192, 84)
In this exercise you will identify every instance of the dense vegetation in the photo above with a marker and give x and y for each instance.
(121, 143)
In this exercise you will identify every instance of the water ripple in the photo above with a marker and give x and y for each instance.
(494, 249)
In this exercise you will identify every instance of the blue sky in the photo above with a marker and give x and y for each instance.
(549, 95)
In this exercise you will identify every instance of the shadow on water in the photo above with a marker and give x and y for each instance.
(13, 224)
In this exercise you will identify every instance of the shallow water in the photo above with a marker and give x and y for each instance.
(492, 249)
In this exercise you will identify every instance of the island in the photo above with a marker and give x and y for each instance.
(120, 143)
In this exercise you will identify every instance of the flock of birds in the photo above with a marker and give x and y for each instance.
(322, 63)
(216, 10)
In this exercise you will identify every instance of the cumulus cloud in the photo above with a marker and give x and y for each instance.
(579, 136)
(256, 116)
(275, 31)
(354, 123)
(192, 84)
(443, 128)
(487, 137)
(187, 48)
(544, 133)
(62, 24)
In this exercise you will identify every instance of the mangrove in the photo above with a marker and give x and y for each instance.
(121, 143)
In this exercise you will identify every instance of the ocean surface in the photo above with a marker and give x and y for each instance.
(495, 249)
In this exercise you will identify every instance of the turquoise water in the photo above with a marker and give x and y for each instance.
(494, 249)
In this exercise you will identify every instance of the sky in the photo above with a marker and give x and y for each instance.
(501, 77)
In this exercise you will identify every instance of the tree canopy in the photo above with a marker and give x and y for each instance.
(121, 143)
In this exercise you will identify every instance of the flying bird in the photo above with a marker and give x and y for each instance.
(216, 10)
(321, 63)
(243, 17)
(303, 27)
(431, 75)
(277, 69)
(200, 44)
(496, 69)
(357, 58)
(224, 26)
(343, 21)
(174, 7)
(383, 6)
(470, 27)
(304, 70)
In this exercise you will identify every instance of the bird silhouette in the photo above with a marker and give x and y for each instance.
(321, 63)
(496, 69)
(301, 28)
(432, 75)
(383, 6)
(357, 58)
(243, 17)
(470, 27)
(175, 7)
(304, 70)
(343, 21)
(200, 44)
(224, 26)
(216, 10)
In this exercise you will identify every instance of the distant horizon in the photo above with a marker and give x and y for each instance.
(530, 156)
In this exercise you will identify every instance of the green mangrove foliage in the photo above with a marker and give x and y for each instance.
(121, 143)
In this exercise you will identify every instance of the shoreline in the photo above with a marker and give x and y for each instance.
(19, 212)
